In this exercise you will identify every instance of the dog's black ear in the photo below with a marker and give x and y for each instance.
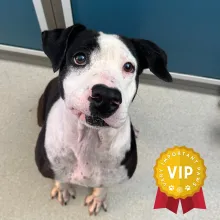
(153, 57)
(55, 43)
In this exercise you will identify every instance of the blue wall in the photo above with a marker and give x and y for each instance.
(188, 30)
(19, 25)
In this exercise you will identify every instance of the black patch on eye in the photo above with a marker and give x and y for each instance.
(85, 42)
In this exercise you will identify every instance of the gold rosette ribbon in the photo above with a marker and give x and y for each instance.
(179, 173)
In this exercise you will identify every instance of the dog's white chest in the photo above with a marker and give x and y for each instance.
(82, 155)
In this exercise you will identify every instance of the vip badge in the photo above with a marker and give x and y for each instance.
(180, 173)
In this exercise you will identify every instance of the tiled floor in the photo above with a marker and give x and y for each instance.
(165, 117)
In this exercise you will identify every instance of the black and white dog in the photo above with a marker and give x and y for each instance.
(87, 137)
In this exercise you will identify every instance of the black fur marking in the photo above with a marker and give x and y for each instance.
(50, 95)
(86, 42)
(130, 160)
(56, 43)
(41, 159)
(153, 57)
(148, 55)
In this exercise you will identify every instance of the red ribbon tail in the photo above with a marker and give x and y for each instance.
(163, 201)
(196, 201)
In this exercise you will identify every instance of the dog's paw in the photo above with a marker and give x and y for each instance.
(63, 192)
(96, 201)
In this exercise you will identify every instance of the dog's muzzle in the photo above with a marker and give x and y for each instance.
(104, 101)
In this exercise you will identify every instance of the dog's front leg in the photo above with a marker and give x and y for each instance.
(96, 200)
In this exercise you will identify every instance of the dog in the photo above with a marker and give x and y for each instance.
(86, 136)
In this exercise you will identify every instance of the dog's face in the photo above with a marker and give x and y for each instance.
(99, 73)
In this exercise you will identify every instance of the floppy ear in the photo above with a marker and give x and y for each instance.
(153, 57)
(55, 43)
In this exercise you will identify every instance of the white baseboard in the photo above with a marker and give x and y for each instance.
(176, 76)
(6, 48)
(191, 78)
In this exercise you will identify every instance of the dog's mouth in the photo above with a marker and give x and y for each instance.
(95, 121)
(90, 120)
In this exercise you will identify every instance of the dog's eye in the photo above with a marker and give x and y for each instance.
(128, 67)
(80, 59)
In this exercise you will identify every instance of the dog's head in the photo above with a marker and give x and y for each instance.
(99, 73)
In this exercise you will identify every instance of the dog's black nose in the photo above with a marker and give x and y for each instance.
(104, 100)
